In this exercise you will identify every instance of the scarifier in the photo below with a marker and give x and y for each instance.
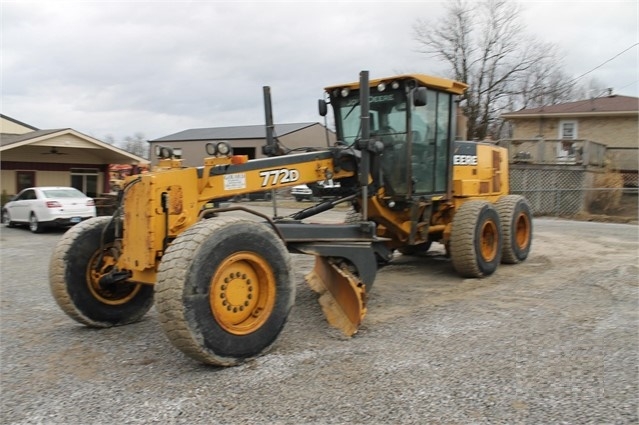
(224, 286)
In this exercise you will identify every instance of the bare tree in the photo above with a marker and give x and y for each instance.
(485, 46)
(591, 88)
(136, 145)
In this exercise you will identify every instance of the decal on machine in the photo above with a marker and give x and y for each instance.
(464, 159)
(465, 153)
(279, 176)
(235, 181)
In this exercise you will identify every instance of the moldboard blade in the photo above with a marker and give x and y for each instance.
(342, 295)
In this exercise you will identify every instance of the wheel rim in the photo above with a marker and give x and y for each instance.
(242, 295)
(111, 294)
(33, 223)
(522, 231)
(489, 241)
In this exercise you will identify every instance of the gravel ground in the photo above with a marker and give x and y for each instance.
(552, 340)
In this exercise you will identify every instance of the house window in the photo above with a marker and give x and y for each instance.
(85, 180)
(24, 179)
(568, 129)
(566, 145)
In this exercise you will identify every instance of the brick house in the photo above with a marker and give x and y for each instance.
(612, 121)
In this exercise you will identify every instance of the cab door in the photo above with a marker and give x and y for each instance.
(431, 127)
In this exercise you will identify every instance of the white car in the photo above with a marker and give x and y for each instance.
(301, 192)
(322, 190)
(42, 207)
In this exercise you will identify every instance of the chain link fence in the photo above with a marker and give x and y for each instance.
(562, 192)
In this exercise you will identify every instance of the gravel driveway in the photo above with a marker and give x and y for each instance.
(552, 340)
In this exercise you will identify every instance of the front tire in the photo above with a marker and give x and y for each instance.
(6, 219)
(225, 289)
(475, 240)
(74, 279)
(517, 228)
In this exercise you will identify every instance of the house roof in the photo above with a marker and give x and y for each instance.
(609, 105)
(9, 139)
(15, 121)
(109, 153)
(230, 133)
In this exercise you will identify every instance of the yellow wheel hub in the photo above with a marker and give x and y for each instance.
(489, 241)
(112, 294)
(522, 231)
(242, 295)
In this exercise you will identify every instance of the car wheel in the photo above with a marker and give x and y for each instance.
(416, 250)
(6, 219)
(299, 198)
(34, 225)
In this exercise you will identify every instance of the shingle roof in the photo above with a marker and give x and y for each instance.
(230, 133)
(600, 105)
(8, 139)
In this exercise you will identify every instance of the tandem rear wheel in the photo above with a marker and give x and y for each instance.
(484, 234)
(475, 240)
(516, 225)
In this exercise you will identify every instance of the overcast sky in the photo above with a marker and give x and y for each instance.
(160, 67)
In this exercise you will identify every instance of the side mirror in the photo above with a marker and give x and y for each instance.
(323, 109)
(419, 96)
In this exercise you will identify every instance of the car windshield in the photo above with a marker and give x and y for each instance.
(63, 193)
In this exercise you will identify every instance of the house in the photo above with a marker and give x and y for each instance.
(245, 140)
(57, 157)
(612, 121)
(560, 154)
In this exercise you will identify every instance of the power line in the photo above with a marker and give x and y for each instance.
(599, 66)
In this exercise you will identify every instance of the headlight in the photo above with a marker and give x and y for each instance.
(381, 87)
(163, 152)
(210, 149)
(223, 148)
(345, 91)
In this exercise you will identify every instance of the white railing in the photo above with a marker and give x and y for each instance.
(555, 151)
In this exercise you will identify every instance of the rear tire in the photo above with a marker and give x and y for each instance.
(517, 228)
(34, 225)
(73, 279)
(225, 289)
(475, 240)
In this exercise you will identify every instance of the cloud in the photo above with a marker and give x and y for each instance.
(159, 67)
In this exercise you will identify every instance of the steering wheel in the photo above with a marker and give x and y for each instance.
(386, 135)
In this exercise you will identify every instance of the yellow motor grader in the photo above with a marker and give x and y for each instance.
(223, 284)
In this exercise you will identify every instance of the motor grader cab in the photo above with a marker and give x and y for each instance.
(223, 285)
(421, 178)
